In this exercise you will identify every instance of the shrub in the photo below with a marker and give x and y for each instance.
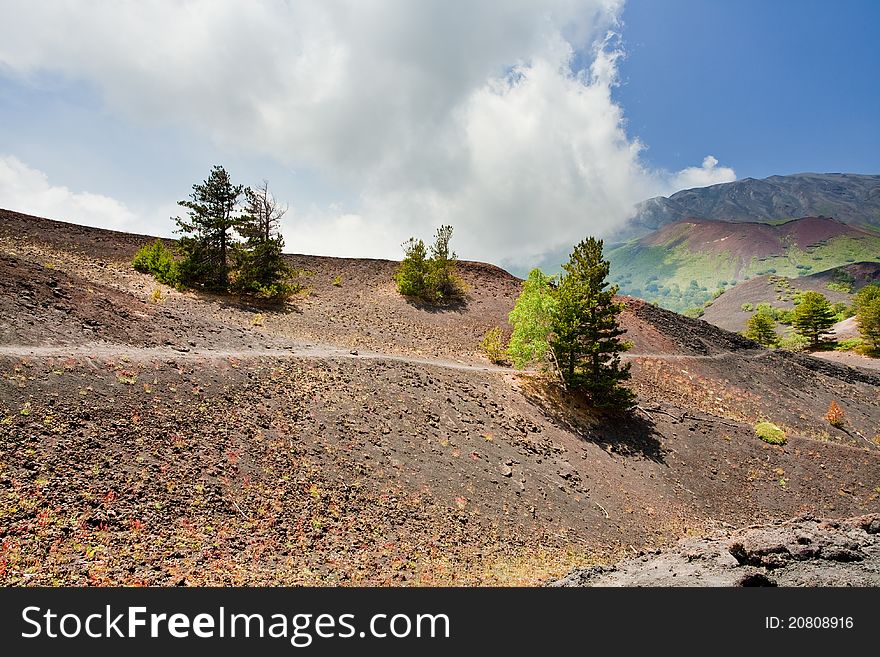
(835, 415)
(794, 343)
(155, 259)
(337, 282)
(432, 279)
(835, 286)
(493, 345)
(747, 307)
(851, 344)
(770, 433)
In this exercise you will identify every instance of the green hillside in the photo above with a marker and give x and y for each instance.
(680, 278)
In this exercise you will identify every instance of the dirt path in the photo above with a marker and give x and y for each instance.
(298, 350)
(849, 358)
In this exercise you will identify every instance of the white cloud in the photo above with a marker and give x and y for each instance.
(427, 112)
(708, 174)
(28, 190)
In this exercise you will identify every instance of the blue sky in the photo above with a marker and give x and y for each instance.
(769, 87)
(376, 123)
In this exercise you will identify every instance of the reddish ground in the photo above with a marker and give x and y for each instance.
(179, 438)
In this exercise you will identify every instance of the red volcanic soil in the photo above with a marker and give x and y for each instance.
(745, 240)
(151, 436)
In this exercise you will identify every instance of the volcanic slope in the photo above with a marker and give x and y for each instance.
(733, 309)
(149, 436)
(685, 264)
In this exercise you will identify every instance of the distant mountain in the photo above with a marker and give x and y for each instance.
(848, 197)
(687, 263)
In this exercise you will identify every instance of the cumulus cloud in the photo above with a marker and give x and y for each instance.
(708, 174)
(28, 190)
(427, 113)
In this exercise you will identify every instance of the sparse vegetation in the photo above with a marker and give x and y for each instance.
(493, 345)
(813, 317)
(835, 415)
(433, 278)
(770, 433)
(761, 328)
(337, 282)
(687, 277)
(572, 326)
(867, 310)
(157, 260)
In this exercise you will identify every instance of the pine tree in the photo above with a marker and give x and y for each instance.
(866, 304)
(761, 328)
(868, 320)
(443, 282)
(431, 278)
(261, 269)
(586, 334)
(208, 231)
(411, 275)
(813, 317)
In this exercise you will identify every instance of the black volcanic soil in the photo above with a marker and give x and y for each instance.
(194, 439)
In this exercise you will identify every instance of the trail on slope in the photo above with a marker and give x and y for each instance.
(300, 350)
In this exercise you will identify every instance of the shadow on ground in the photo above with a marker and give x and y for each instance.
(630, 433)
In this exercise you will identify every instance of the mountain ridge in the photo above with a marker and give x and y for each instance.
(848, 197)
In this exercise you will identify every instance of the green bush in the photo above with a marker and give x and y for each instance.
(770, 433)
(851, 344)
(794, 343)
(532, 320)
(835, 286)
(747, 307)
(493, 346)
(155, 259)
(412, 274)
(433, 278)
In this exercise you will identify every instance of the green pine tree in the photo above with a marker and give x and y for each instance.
(207, 232)
(867, 306)
(761, 328)
(431, 278)
(261, 268)
(586, 334)
(412, 274)
(813, 317)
